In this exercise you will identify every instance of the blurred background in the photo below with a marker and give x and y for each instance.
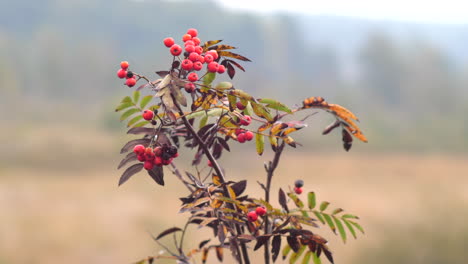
(401, 67)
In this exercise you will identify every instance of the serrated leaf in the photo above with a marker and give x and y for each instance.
(323, 206)
(330, 223)
(128, 113)
(261, 240)
(239, 187)
(219, 253)
(295, 256)
(350, 228)
(259, 143)
(136, 96)
(285, 251)
(274, 104)
(178, 95)
(207, 221)
(340, 228)
(145, 100)
(123, 106)
(311, 200)
(261, 111)
(167, 232)
(134, 120)
(248, 108)
(129, 172)
(232, 102)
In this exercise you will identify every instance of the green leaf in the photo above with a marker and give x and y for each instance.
(136, 96)
(307, 257)
(350, 227)
(324, 206)
(316, 258)
(260, 143)
(350, 216)
(142, 123)
(211, 112)
(296, 200)
(285, 251)
(128, 113)
(340, 228)
(248, 107)
(154, 107)
(123, 106)
(311, 200)
(337, 211)
(295, 256)
(209, 78)
(330, 223)
(261, 111)
(223, 86)
(319, 216)
(145, 100)
(357, 226)
(134, 120)
(274, 104)
(203, 121)
(126, 99)
(232, 102)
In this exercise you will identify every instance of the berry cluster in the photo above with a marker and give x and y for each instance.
(298, 186)
(252, 216)
(123, 72)
(244, 135)
(194, 57)
(159, 156)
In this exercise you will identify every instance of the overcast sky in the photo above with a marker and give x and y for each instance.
(445, 11)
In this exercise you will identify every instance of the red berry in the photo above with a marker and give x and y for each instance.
(141, 157)
(168, 42)
(201, 59)
(212, 66)
(196, 40)
(192, 32)
(208, 58)
(176, 155)
(167, 162)
(252, 216)
(189, 48)
(239, 131)
(298, 190)
(248, 135)
(139, 149)
(245, 121)
(189, 87)
(193, 77)
(189, 42)
(198, 49)
(221, 69)
(158, 161)
(213, 53)
(148, 115)
(241, 138)
(149, 156)
(186, 37)
(157, 151)
(193, 56)
(176, 50)
(187, 65)
(121, 73)
(124, 65)
(240, 106)
(130, 82)
(261, 211)
(148, 165)
(148, 150)
(197, 65)
(210, 164)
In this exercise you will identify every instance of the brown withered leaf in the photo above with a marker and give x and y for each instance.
(219, 253)
(239, 187)
(129, 172)
(275, 247)
(210, 43)
(233, 55)
(205, 255)
(293, 243)
(261, 240)
(347, 139)
(130, 157)
(167, 232)
(282, 200)
(222, 232)
(157, 174)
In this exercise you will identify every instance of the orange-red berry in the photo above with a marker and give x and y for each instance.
(130, 82)
(193, 77)
(248, 135)
(168, 42)
(298, 190)
(121, 73)
(196, 41)
(201, 59)
(124, 65)
(187, 65)
(186, 37)
(210, 164)
(148, 165)
(212, 66)
(221, 69)
(176, 50)
(192, 32)
(189, 42)
(148, 115)
(261, 211)
(252, 216)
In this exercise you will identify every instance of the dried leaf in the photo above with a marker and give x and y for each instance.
(293, 243)
(157, 174)
(132, 143)
(141, 130)
(219, 253)
(130, 157)
(282, 200)
(232, 55)
(239, 187)
(167, 232)
(275, 247)
(259, 143)
(261, 240)
(129, 172)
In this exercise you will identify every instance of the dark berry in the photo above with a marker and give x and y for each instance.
(299, 183)
(175, 64)
(129, 74)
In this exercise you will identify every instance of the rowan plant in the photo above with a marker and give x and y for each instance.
(188, 108)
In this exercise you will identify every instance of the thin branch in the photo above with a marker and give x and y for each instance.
(177, 173)
(270, 171)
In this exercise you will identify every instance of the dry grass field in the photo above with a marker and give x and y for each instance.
(80, 216)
